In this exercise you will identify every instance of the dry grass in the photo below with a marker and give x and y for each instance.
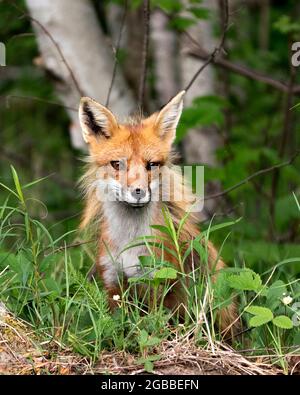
(22, 353)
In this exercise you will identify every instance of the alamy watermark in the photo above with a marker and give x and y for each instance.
(2, 54)
(296, 55)
(136, 186)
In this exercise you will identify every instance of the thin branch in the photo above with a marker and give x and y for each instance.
(218, 49)
(24, 161)
(256, 174)
(117, 49)
(68, 246)
(145, 52)
(48, 34)
(199, 52)
(7, 98)
(199, 71)
(244, 71)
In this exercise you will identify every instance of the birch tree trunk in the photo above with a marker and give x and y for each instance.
(74, 27)
(201, 144)
(164, 44)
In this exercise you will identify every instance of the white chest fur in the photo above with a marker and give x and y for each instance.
(125, 224)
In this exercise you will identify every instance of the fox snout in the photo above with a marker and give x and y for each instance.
(138, 193)
(137, 197)
(130, 185)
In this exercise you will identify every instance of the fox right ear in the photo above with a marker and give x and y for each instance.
(95, 120)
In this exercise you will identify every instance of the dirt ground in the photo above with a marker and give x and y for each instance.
(22, 353)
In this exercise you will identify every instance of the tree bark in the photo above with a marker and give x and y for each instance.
(164, 44)
(200, 145)
(74, 27)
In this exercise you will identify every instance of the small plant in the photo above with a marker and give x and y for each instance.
(146, 344)
(43, 280)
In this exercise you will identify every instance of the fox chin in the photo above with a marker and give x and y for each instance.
(130, 177)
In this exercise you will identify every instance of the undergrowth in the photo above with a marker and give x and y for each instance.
(44, 280)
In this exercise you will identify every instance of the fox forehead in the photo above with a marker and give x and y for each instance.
(137, 142)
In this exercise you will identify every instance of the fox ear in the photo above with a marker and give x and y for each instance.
(168, 117)
(95, 120)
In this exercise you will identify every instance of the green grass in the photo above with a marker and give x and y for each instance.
(43, 280)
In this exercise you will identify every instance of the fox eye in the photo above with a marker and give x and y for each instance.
(116, 164)
(152, 165)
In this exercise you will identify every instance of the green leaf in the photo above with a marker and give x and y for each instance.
(8, 259)
(162, 228)
(148, 366)
(182, 23)
(296, 339)
(151, 358)
(296, 200)
(282, 321)
(222, 291)
(152, 341)
(146, 261)
(50, 285)
(166, 273)
(274, 294)
(200, 12)
(262, 315)
(245, 281)
(286, 26)
(220, 226)
(9, 190)
(30, 184)
(143, 337)
(168, 5)
(258, 320)
(205, 111)
(259, 310)
(17, 184)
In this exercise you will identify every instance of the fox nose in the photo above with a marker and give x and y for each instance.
(138, 193)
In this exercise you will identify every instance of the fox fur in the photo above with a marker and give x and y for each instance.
(142, 143)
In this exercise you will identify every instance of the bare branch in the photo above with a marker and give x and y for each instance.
(244, 71)
(7, 98)
(117, 48)
(256, 174)
(217, 50)
(48, 34)
(200, 53)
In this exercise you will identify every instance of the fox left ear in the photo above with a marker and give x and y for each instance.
(96, 120)
(168, 118)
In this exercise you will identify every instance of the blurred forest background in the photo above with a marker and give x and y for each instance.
(239, 114)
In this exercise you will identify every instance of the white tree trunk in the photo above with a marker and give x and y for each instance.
(165, 59)
(200, 144)
(75, 28)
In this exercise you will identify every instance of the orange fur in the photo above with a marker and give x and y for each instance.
(139, 141)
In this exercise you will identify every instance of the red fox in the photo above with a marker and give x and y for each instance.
(125, 165)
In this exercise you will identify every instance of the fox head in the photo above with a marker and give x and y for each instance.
(129, 156)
